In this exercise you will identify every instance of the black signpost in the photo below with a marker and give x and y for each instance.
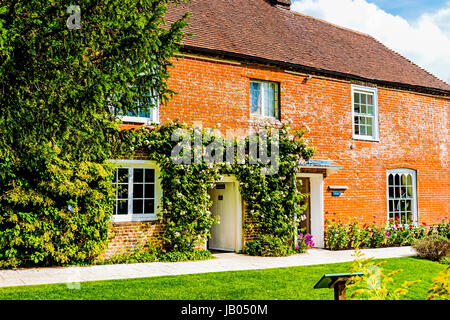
(336, 281)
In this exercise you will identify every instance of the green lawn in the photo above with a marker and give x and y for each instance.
(281, 283)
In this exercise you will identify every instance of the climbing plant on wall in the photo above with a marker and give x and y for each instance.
(272, 198)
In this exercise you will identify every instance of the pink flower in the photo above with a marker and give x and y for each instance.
(300, 236)
(387, 234)
(297, 247)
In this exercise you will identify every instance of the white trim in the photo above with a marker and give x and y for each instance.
(414, 202)
(158, 190)
(376, 129)
(316, 209)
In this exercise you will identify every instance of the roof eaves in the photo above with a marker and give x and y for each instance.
(337, 74)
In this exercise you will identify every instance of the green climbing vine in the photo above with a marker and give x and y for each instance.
(271, 197)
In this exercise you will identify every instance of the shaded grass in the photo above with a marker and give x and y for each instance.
(293, 283)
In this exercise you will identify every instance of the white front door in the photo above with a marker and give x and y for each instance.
(223, 234)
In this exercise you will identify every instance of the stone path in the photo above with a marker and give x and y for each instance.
(224, 262)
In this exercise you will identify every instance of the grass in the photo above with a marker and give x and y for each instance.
(293, 283)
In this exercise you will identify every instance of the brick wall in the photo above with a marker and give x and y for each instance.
(413, 130)
(414, 133)
(124, 236)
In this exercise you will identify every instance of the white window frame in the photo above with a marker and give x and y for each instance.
(145, 164)
(153, 119)
(263, 111)
(375, 130)
(413, 173)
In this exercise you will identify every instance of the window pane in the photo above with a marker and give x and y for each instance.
(370, 99)
(357, 108)
(122, 207)
(391, 192)
(370, 110)
(138, 175)
(362, 120)
(122, 175)
(397, 192)
(255, 97)
(397, 180)
(149, 191)
(369, 131)
(138, 191)
(363, 109)
(149, 175)
(409, 192)
(362, 130)
(149, 206)
(270, 92)
(356, 128)
(138, 206)
(122, 191)
(363, 98)
(356, 98)
(391, 180)
(403, 179)
(409, 182)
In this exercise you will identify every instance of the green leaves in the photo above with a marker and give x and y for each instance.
(56, 128)
(272, 200)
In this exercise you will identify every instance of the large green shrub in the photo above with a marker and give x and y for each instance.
(56, 127)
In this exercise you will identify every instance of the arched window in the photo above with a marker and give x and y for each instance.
(402, 195)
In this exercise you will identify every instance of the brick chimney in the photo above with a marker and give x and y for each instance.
(285, 4)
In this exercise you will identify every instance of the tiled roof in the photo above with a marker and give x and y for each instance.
(260, 30)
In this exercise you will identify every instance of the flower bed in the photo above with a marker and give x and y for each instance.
(339, 235)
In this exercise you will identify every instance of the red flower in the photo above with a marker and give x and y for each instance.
(400, 228)
(410, 226)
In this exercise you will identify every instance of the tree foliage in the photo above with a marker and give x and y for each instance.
(57, 86)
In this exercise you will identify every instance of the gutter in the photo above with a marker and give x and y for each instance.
(434, 91)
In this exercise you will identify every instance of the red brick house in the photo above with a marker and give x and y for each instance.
(379, 122)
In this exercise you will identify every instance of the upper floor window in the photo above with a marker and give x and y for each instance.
(402, 195)
(365, 113)
(147, 114)
(137, 191)
(264, 100)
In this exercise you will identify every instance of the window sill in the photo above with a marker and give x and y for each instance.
(136, 120)
(133, 218)
(363, 138)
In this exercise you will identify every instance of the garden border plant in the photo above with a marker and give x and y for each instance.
(340, 235)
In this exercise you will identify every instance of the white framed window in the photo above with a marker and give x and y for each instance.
(402, 195)
(138, 190)
(264, 101)
(141, 115)
(365, 113)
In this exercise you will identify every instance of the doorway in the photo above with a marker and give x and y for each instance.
(304, 187)
(312, 183)
(226, 234)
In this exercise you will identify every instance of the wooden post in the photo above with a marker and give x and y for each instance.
(339, 290)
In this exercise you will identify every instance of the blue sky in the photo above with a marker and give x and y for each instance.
(409, 9)
(417, 29)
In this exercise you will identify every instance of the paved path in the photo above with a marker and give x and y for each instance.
(224, 262)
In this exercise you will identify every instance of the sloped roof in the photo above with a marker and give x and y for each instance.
(256, 29)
